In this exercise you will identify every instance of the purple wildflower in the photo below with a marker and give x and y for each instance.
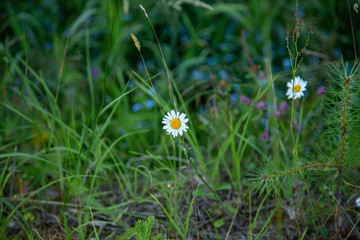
(321, 90)
(277, 113)
(260, 105)
(265, 136)
(245, 99)
(94, 73)
(283, 107)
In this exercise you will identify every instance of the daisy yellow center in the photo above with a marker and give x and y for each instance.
(297, 88)
(175, 123)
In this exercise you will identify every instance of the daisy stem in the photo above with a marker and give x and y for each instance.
(295, 62)
(174, 162)
(200, 175)
(186, 153)
(295, 149)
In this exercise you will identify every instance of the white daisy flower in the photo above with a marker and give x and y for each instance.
(175, 123)
(296, 88)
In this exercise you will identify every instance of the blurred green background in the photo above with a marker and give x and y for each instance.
(202, 42)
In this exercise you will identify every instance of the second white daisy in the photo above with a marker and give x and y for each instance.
(296, 88)
(175, 123)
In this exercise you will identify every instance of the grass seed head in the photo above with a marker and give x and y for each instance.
(136, 41)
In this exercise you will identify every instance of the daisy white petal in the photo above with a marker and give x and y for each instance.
(175, 123)
(296, 88)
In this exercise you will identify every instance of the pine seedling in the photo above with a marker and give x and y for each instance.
(141, 231)
(343, 122)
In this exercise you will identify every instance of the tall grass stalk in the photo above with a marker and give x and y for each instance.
(162, 56)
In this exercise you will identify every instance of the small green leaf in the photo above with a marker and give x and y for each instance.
(201, 192)
(324, 232)
(205, 194)
(224, 186)
(231, 209)
(219, 223)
